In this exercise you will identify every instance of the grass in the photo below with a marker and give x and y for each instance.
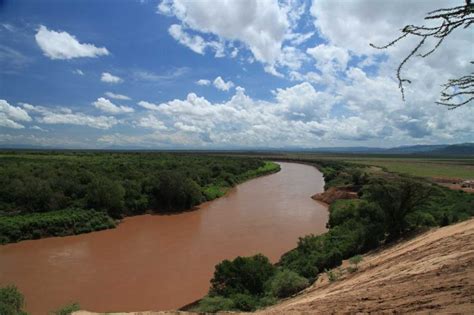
(423, 167)
(428, 167)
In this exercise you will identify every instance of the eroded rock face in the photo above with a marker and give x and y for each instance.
(333, 194)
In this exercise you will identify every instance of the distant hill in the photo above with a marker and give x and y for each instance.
(456, 149)
(464, 149)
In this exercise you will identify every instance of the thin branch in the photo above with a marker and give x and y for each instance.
(451, 19)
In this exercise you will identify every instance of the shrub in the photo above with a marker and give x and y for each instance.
(54, 223)
(333, 275)
(246, 275)
(11, 301)
(244, 302)
(286, 282)
(355, 260)
(105, 194)
(68, 309)
(212, 304)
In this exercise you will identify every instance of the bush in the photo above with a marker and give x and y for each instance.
(244, 302)
(333, 275)
(105, 194)
(68, 309)
(246, 275)
(286, 282)
(54, 223)
(11, 301)
(212, 304)
(355, 260)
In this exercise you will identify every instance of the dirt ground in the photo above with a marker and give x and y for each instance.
(431, 273)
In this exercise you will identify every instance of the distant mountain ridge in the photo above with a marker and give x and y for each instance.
(460, 149)
(436, 149)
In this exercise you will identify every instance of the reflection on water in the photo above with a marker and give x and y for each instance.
(163, 262)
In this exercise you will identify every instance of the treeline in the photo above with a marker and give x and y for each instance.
(117, 184)
(54, 223)
(389, 207)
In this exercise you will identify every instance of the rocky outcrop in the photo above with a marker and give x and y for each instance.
(333, 194)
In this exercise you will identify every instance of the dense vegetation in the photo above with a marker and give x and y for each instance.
(54, 223)
(389, 207)
(12, 302)
(37, 187)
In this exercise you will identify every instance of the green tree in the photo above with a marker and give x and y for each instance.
(397, 199)
(11, 301)
(246, 275)
(286, 283)
(105, 194)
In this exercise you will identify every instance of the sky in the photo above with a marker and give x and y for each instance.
(222, 74)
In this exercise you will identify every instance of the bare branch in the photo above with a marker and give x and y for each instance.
(451, 19)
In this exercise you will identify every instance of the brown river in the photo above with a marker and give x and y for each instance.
(157, 262)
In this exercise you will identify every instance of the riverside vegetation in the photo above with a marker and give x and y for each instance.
(62, 193)
(389, 207)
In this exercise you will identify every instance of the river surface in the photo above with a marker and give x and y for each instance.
(156, 262)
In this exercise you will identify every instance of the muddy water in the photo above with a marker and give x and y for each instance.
(163, 262)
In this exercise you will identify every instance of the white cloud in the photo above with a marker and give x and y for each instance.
(168, 76)
(151, 122)
(109, 78)
(10, 115)
(107, 106)
(66, 116)
(196, 43)
(38, 128)
(13, 112)
(148, 105)
(62, 45)
(260, 25)
(329, 56)
(203, 82)
(220, 84)
(78, 72)
(117, 96)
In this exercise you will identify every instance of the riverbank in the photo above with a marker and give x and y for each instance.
(431, 272)
(99, 202)
(166, 261)
(369, 208)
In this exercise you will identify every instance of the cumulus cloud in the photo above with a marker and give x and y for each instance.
(148, 105)
(329, 56)
(11, 115)
(117, 96)
(107, 106)
(220, 84)
(66, 116)
(62, 45)
(151, 122)
(196, 43)
(203, 82)
(110, 78)
(365, 110)
(262, 26)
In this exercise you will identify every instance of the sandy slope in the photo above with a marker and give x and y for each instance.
(433, 273)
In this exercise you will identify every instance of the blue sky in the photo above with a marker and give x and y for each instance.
(219, 74)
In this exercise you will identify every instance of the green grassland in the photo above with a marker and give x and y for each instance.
(421, 166)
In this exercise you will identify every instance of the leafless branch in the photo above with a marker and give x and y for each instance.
(456, 92)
